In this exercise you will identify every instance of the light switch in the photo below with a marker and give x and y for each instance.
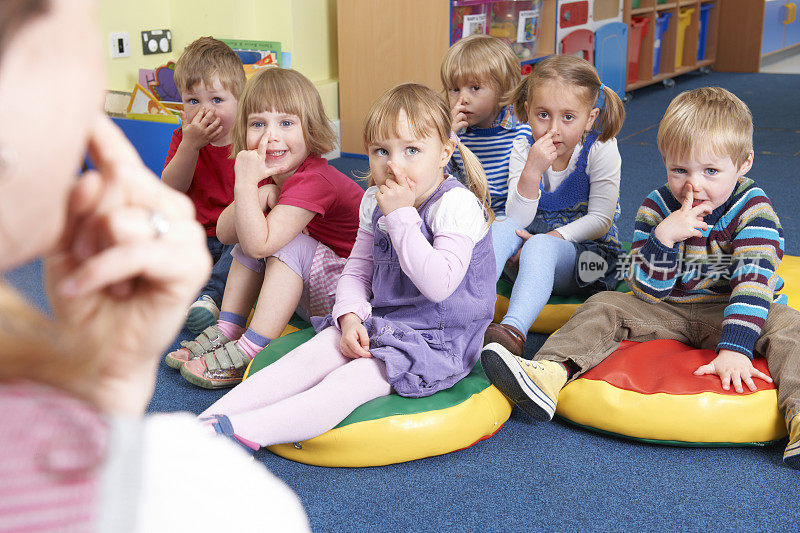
(120, 45)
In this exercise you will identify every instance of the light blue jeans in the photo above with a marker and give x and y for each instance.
(546, 266)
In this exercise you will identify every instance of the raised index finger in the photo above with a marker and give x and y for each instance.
(688, 197)
(261, 150)
(108, 146)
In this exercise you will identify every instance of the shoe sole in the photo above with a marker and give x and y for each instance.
(792, 455)
(507, 375)
(199, 319)
(208, 383)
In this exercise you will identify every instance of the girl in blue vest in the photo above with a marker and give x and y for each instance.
(413, 300)
(563, 193)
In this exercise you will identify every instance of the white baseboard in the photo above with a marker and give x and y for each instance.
(336, 152)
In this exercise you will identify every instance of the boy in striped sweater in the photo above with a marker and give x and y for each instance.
(476, 73)
(703, 271)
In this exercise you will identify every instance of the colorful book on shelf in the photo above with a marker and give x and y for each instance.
(256, 55)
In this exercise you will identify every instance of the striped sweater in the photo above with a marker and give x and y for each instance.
(734, 261)
(492, 146)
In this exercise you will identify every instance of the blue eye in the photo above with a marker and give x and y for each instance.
(217, 100)
(193, 101)
(678, 171)
(412, 150)
(286, 123)
(257, 124)
(712, 171)
(381, 152)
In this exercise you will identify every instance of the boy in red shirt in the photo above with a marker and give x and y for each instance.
(210, 78)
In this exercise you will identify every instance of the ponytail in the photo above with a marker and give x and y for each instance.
(475, 178)
(517, 97)
(612, 114)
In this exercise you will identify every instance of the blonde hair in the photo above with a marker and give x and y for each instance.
(428, 116)
(284, 91)
(205, 58)
(576, 72)
(481, 58)
(709, 117)
(36, 348)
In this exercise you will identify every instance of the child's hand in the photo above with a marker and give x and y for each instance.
(541, 155)
(355, 339)
(458, 117)
(399, 191)
(685, 222)
(733, 366)
(251, 167)
(202, 129)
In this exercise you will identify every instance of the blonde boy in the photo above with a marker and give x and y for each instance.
(210, 78)
(476, 73)
(705, 251)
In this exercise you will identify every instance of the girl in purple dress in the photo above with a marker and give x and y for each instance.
(415, 296)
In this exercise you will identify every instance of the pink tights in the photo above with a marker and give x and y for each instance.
(303, 394)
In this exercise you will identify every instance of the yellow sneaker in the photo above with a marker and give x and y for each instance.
(533, 386)
(791, 456)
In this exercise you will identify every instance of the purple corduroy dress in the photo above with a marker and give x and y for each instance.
(427, 346)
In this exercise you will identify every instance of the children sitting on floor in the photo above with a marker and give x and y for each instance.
(563, 193)
(295, 252)
(703, 272)
(414, 298)
(477, 72)
(210, 78)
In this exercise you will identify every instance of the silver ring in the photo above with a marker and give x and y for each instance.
(159, 222)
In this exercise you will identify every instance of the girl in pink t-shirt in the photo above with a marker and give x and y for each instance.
(294, 219)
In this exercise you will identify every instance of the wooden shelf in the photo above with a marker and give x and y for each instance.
(669, 41)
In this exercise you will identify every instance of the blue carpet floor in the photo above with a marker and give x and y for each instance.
(554, 476)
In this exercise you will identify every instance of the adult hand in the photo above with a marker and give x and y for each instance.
(733, 367)
(458, 117)
(399, 191)
(202, 129)
(355, 339)
(120, 279)
(685, 222)
(251, 166)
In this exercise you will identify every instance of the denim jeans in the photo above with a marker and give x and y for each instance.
(221, 255)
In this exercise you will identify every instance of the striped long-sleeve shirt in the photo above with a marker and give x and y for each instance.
(492, 146)
(734, 260)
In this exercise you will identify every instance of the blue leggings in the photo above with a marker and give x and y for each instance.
(546, 266)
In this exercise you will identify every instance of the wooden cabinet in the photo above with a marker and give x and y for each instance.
(672, 37)
(753, 29)
(383, 43)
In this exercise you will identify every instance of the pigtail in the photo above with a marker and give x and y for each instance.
(612, 114)
(475, 178)
(517, 97)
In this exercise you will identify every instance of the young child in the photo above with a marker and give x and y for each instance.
(706, 246)
(296, 251)
(210, 78)
(563, 189)
(413, 300)
(476, 73)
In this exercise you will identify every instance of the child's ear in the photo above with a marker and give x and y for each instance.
(447, 152)
(593, 114)
(747, 165)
